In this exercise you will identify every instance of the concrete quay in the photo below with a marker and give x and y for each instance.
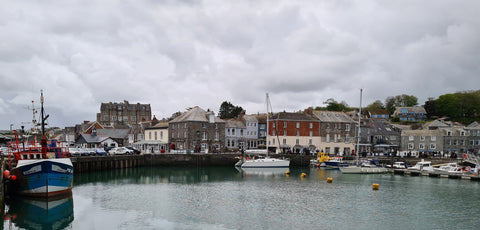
(465, 176)
(99, 163)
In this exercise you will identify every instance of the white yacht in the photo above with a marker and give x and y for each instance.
(422, 166)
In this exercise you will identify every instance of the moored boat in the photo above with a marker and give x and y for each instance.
(39, 169)
(422, 166)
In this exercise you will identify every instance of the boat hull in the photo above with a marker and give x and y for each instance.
(334, 164)
(362, 170)
(43, 177)
(266, 163)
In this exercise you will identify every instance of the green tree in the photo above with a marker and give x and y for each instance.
(333, 105)
(391, 103)
(376, 107)
(430, 108)
(228, 110)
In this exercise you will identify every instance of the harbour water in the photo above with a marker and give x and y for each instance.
(226, 198)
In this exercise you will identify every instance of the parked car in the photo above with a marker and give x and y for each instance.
(135, 150)
(100, 152)
(75, 152)
(120, 151)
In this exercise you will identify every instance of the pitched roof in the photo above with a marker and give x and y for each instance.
(474, 125)
(294, 116)
(330, 116)
(235, 124)
(196, 114)
(94, 138)
(113, 133)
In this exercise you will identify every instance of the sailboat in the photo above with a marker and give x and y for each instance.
(39, 169)
(264, 161)
(365, 168)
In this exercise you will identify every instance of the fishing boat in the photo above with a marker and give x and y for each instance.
(334, 163)
(39, 169)
(263, 161)
(364, 168)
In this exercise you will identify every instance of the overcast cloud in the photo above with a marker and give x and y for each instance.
(179, 54)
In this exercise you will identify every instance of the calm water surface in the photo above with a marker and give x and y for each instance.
(225, 198)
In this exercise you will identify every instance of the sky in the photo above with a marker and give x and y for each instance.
(175, 54)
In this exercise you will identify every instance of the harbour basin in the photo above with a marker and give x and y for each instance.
(229, 198)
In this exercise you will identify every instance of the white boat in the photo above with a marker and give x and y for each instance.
(422, 166)
(456, 171)
(264, 161)
(446, 168)
(398, 165)
(365, 168)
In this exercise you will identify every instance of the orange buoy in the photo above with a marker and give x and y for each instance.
(6, 174)
(375, 186)
(14, 177)
(329, 180)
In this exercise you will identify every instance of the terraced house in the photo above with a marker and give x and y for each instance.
(336, 132)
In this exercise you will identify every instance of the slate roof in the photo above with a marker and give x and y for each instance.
(250, 118)
(436, 124)
(195, 114)
(235, 124)
(415, 109)
(474, 125)
(422, 132)
(94, 138)
(293, 116)
(113, 133)
(330, 116)
(160, 125)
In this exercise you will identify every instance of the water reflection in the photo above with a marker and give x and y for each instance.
(266, 172)
(154, 175)
(31, 213)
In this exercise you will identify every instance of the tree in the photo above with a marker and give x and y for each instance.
(376, 107)
(391, 103)
(333, 105)
(430, 108)
(228, 110)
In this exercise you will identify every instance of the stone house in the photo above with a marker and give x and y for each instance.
(336, 132)
(197, 130)
(415, 142)
(473, 136)
(379, 137)
(123, 112)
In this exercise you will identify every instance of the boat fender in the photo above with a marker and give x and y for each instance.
(287, 172)
(6, 174)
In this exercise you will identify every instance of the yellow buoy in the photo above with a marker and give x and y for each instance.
(375, 186)
(329, 180)
(287, 172)
(303, 175)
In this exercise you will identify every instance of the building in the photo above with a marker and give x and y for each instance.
(235, 134)
(293, 132)
(124, 112)
(379, 137)
(197, 130)
(155, 139)
(337, 132)
(415, 113)
(473, 133)
(251, 131)
(95, 141)
(422, 141)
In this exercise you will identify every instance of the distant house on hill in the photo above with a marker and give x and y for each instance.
(415, 113)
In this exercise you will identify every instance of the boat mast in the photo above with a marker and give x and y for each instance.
(42, 115)
(358, 129)
(266, 137)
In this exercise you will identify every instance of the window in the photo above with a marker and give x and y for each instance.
(328, 125)
(311, 133)
(347, 138)
(347, 127)
(449, 133)
(411, 146)
(273, 133)
(284, 124)
(184, 134)
(233, 132)
(185, 125)
(284, 132)
(311, 125)
(422, 138)
(433, 146)
(216, 135)
(150, 135)
(455, 142)
(327, 138)
(433, 138)
(309, 141)
(155, 135)
(462, 133)
(393, 138)
(297, 141)
(132, 118)
(241, 132)
(421, 146)
(284, 141)
(411, 138)
(161, 135)
(298, 133)
(298, 125)
(204, 135)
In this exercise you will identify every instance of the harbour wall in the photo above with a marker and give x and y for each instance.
(100, 163)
